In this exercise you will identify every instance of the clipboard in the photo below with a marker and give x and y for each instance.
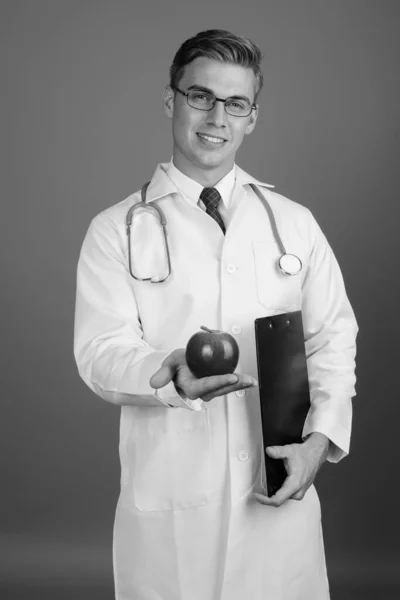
(284, 387)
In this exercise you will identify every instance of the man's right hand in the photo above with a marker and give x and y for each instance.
(174, 368)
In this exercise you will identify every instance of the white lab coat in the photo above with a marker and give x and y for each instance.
(186, 525)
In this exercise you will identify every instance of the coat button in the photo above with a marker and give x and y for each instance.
(236, 329)
(231, 268)
(240, 393)
(243, 455)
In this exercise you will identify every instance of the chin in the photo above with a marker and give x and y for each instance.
(211, 160)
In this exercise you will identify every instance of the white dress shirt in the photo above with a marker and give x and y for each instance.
(191, 190)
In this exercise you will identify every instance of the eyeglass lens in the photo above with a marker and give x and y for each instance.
(205, 101)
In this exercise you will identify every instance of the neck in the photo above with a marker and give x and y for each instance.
(205, 177)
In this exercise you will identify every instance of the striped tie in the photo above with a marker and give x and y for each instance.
(211, 198)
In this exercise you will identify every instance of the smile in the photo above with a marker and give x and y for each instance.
(213, 140)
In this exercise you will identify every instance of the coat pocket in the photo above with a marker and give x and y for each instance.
(169, 458)
(276, 291)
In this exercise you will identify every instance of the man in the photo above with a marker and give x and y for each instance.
(192, 521)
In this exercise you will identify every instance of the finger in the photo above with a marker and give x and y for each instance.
(289, 487)
(216, 382)
(226, 390)
(207, 385)
(300, 494)
(261, 498)
(216, 393)
(279, 451)
(161, 377)
(165, 373)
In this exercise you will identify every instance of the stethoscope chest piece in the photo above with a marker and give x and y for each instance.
(290, 264)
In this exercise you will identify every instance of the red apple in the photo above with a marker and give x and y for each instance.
(212, 352)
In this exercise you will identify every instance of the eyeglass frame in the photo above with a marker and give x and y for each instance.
(253, 106)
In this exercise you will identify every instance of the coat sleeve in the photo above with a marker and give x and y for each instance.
(112, 357)
(330, 330)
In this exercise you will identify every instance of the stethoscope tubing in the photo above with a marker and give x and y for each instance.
(272, 219)
(284, 253)
(163, 222)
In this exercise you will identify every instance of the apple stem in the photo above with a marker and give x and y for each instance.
(206, 329)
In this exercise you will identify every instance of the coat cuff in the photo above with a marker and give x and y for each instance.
(339, 437)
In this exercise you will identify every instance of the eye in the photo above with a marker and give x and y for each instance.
(236, 104)
(200, 96)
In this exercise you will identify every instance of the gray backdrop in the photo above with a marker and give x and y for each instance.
(83, 127)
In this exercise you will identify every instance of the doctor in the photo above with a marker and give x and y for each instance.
(192, 522)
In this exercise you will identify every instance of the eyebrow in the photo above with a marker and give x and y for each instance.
(202, 88)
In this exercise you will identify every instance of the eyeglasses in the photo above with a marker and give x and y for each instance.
(201, 100)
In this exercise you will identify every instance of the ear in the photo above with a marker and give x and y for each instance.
(252, 121)
(169, 98)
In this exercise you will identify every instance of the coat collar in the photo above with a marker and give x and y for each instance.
(243, 178)
(161, 185)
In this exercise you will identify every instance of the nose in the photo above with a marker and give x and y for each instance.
(217, 115)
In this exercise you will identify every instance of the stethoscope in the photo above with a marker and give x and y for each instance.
(289, 264)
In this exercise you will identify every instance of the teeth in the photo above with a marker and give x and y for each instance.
(211, 139)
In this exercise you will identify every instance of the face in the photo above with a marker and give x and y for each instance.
(206, 142)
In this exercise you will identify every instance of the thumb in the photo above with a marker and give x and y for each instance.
(165, 373)
(276, 451)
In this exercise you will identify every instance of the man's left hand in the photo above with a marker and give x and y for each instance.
(302, 463)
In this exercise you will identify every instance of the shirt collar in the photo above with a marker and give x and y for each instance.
(162, 184)
(189, 187)
(192, 189)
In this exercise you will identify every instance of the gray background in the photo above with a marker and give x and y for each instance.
(82, 127)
